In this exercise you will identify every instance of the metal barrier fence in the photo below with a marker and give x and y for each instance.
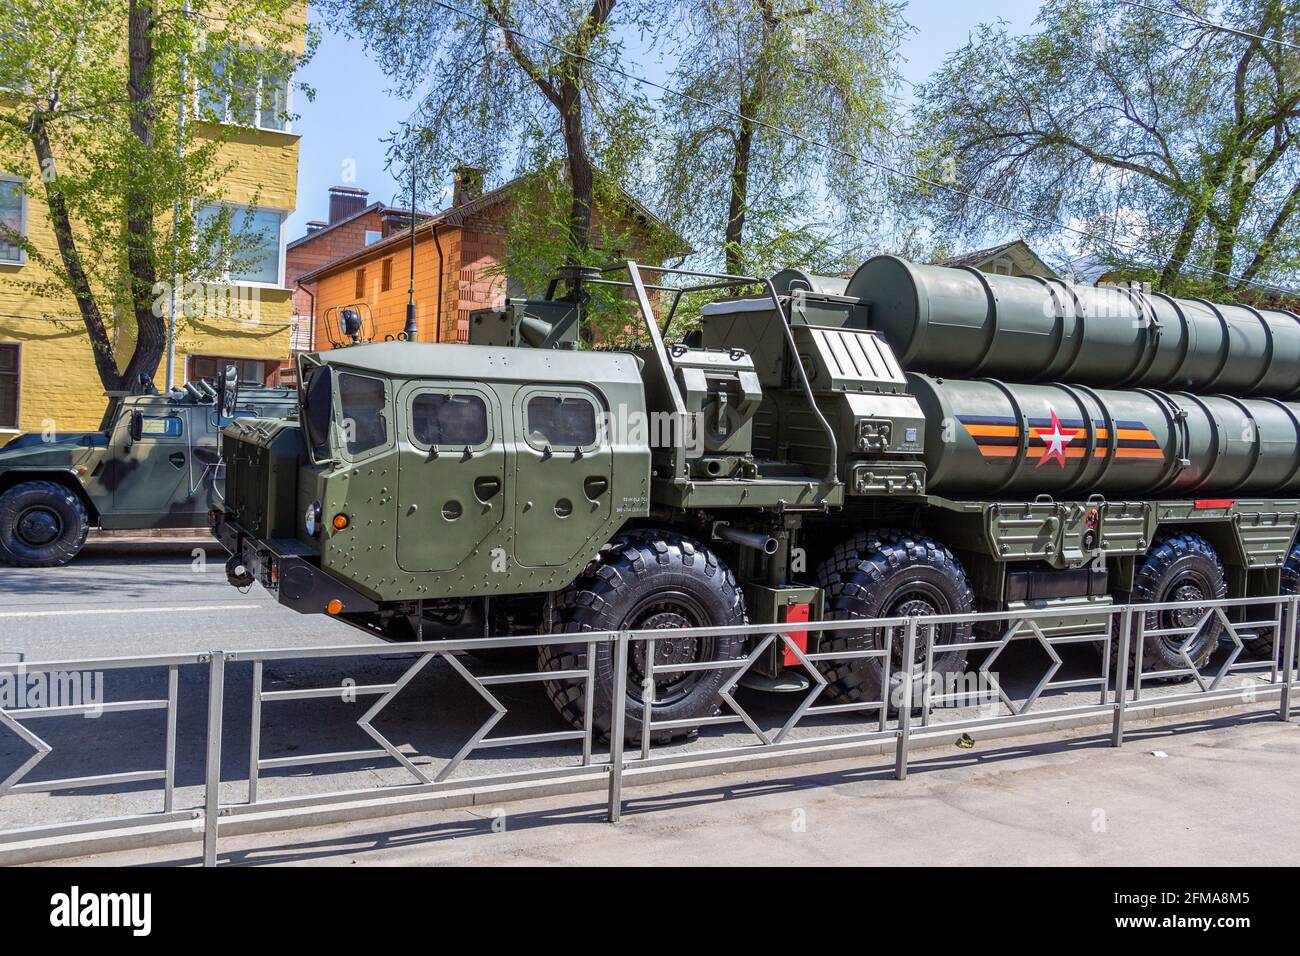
(907, 708)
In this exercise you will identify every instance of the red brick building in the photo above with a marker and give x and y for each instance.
(353, 225)
(460, 251)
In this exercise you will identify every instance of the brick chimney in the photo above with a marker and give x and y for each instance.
(469, 184)
(316, 225)
(346, 201)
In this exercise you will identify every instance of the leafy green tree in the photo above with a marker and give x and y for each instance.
(502, 102)
(89, 122)
(1172, 141)
(735, 181)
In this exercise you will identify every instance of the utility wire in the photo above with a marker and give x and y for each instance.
(1212, 25)
(915, 177)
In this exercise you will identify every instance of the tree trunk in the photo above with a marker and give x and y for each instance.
(151, 330)
(581, 178)
(101, 345)
(151, 339)
(735, 233)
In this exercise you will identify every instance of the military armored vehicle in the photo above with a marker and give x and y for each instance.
(156, 467)
(912, 440)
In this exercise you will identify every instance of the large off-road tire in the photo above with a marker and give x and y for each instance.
(1261, 646)
(890, 574)
(645, 580)
(42, 525)
(1184, 568)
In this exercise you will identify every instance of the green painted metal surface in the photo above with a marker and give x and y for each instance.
(947, 321)
(992, 438)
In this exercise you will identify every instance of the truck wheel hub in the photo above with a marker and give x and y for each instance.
(912, 605)
(659, 615)
(39, 526)
(1187, 594)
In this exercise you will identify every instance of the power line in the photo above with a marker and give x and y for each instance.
(1212, 25)
(885, 167)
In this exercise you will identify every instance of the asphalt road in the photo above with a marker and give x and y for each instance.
(124, 597)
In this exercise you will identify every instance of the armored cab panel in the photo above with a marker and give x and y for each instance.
(538, 323)
(262, 459)
(960, 321)
(472, 470)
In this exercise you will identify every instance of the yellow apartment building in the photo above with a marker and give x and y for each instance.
(47, 372)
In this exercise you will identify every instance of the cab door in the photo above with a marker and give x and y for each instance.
(563, 474)
(451, 473)
(150, 476)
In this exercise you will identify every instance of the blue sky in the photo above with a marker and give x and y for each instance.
(352, 112)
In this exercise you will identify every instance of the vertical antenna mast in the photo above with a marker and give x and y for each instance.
(412, 331)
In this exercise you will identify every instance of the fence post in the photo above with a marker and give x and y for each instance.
(1290, 614)
(617, 730)
(905, 701)
(1121, 676)
(212, 768)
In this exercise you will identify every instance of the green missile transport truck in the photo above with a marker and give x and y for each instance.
(913, 440)
(156, 467)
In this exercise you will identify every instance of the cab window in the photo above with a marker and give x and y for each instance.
(561, 421)
(318, 409)
(362, 403)
(459, 420)
(161, 426)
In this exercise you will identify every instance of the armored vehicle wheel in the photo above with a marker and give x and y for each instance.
(42, 525)
(1262, 646)
(645, 580)
(889, 574)
(1182, 568)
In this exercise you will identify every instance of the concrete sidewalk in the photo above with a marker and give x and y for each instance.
(1223, 793)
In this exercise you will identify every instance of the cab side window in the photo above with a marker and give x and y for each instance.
(364, 421)
(161, 426)
(561, 421)
(459, 420)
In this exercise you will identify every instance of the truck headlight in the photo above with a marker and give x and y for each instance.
(312, 518)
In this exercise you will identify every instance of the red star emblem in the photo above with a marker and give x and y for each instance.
(1055, 438)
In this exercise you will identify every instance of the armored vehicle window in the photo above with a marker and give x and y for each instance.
(319, 402)
(566, 422)
(449, 419)
(364, 423)
(161, 426)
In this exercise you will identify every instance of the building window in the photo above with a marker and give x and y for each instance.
(386, 275)
(373, 236)
(9, 369)
(251, 371)
(361, 284)
(253, 250)
(13, 216)
(260, 100)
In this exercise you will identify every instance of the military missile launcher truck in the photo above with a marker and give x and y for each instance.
(912, 440)
(156, 466)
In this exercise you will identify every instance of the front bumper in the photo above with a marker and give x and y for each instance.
(289, 571)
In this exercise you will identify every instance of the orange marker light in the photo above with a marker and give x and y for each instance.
(340, 521)
(334, 606)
